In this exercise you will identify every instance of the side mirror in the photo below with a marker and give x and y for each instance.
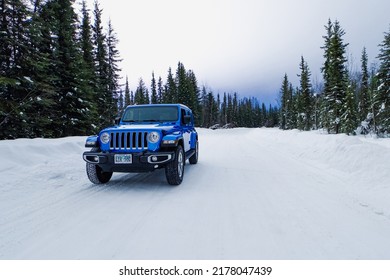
(117, 120)
(187, 119)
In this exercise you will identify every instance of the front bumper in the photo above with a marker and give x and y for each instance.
(141, 162)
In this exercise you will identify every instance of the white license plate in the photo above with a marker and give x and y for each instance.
(127, 158)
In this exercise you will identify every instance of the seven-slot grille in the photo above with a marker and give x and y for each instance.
(134, 140)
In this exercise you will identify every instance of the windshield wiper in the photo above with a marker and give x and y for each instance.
(150, 121)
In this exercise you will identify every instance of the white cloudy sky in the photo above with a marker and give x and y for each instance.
(242, 46)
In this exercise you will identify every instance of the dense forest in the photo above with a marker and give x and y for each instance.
(60, 76)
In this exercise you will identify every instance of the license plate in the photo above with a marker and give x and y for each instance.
(123, 159)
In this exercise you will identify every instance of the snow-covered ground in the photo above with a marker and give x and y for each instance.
(254, 194)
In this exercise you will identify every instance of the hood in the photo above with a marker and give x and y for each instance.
(163, 127)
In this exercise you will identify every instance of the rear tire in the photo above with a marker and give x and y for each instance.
(194, 158)
(174, 171)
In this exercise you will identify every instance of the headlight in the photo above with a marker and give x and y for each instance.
(105, 138)
(153, 137)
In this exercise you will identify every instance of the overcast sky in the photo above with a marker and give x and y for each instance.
(243, 46)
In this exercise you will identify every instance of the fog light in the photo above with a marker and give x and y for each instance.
(154, 158)
(96, 158)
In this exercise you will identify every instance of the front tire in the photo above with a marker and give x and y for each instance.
(96, 175)
(174, 171)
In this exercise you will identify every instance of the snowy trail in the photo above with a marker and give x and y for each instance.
(255, 194)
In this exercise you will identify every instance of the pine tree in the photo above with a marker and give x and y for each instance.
(363, 93)
(14, 89)
(160, 91)
(299, 109)
(306, 96)
(113, 69)
(224, 109)
(284, 106)
(203, 106)
(334, 73)
(182, 85)
(154, 97)
(291, 117)
(229, 110)
(194, 93)
(382, 94)
(349, 116)
(103, 95)
(127, 100)
(170, 93)
(72, 102)
(141, 93)
(88, 71)
(120, 103)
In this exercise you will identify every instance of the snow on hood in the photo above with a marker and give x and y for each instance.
(145, 126)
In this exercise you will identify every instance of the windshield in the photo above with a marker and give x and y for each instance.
(151, 114)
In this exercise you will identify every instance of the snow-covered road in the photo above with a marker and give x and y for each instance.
(254, 194)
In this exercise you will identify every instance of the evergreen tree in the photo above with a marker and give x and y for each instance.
(104, 96)
(369, 125)
(334, 73)
(113, 70)
(299, 109)
(194, 94)
(291, 109)
(15, 90)
(120, 103)
(203, 107)
(306, 97)
(160, 91)
(224, 109)
(88, 71)
(363, 93)
(127, 100)
(170, 93)
(39, 110)
(141, 93)
(229, 110)
(71, 105)
(219, 109)
(284, 106)
(182, 86)
(154, 97)
(349, 116)
(382, 94)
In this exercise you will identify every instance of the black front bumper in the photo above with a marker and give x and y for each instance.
(141, 162)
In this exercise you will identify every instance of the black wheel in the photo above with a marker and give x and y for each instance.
(194, 158)
(96, 174)
(174, 171)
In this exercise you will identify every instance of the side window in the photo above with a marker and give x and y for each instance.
(189, 115)
(182, 113)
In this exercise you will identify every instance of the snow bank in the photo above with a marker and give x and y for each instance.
(27, 153)
(362, 162)
(366, 158)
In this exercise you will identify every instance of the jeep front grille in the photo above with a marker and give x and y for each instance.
(131, 141)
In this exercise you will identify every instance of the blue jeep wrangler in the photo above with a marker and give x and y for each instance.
(146, 138)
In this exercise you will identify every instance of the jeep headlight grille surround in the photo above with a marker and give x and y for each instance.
(105, 138)
(153, 137)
